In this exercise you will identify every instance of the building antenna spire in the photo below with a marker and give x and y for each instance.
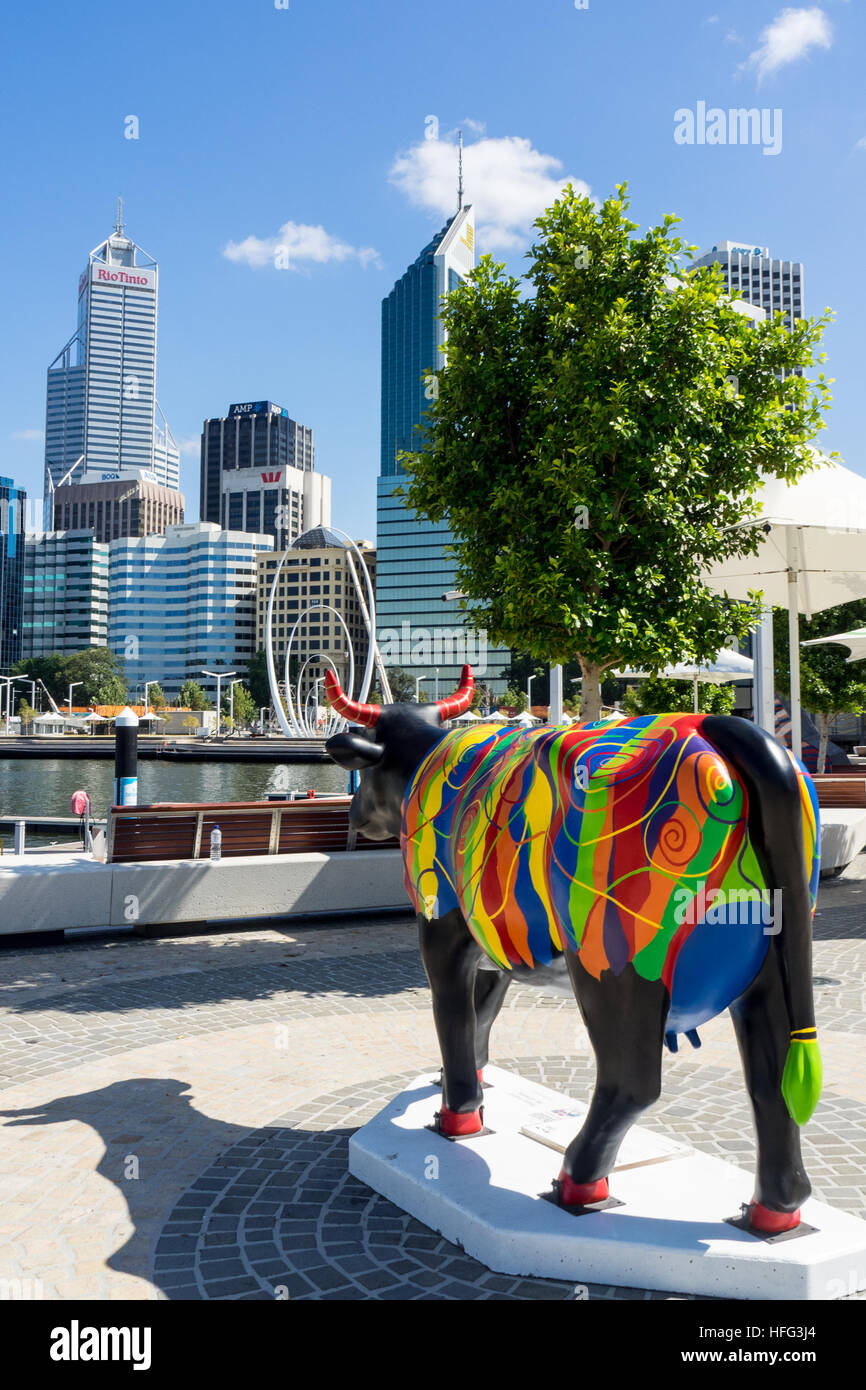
(119, 227)
(460, 175)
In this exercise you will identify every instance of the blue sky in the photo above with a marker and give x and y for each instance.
(311, 119)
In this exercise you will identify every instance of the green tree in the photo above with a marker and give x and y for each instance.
(101, 677)
(662, 696)
(829, 685)
(192, 696)
(523, 665)
(514, 699)
(49, 669)
(245, 709)
(155, 697)
(257, 679)
(595, 443)
(25, 713)
(402, 685)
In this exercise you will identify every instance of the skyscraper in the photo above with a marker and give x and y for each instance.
(752, 274)
(13, 504)
(101, 405)
(130, 505)
(258, 473)
(415, 627)
(65, 593)
(183, 601)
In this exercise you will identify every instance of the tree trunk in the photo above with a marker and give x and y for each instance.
(590, 690)
(824, 726)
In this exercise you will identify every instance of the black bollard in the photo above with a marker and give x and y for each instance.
(126, 758)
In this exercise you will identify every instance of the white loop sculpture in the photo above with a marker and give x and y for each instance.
(300, 718)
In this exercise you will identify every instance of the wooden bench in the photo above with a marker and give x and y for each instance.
(840, 790)
(182, 830)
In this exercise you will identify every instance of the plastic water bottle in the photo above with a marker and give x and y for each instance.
(216, 845)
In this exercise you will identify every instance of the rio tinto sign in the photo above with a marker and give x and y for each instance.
(123, 276)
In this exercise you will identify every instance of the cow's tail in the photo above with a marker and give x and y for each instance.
(803, 1075)
(772, 781)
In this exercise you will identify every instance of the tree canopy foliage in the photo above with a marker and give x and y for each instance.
(96, 671)
(593, 443)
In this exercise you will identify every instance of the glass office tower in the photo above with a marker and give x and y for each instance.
(13, 503)
(416, 629)
(65, 593)
(258, 473)
(101, 391)
(752, 274)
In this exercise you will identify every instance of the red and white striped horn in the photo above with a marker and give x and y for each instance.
(459, 702)
(352, 710)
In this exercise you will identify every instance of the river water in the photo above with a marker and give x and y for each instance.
(43, 786)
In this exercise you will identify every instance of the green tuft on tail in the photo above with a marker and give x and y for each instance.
(801, 1079)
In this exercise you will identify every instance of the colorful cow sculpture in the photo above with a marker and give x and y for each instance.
(670, 862)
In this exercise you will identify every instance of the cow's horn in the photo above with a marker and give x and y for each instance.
(352, 710)
(458, 703)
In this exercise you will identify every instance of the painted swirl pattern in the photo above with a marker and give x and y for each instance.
(583, 838)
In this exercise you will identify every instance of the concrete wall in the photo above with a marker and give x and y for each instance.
(36, 896)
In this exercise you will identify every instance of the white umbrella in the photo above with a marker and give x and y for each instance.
(468, 718)
(855, 641)
(726, 666)
(811, 556)
(497, 718)
(526, 719)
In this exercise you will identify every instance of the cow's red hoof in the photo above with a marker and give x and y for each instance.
(771, 1223)
(581, 1194)
(455, 1125)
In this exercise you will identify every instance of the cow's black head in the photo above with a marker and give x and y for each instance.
(397, 740)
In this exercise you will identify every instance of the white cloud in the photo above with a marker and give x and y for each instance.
(507, 181)
(190, 444)
(29, 434)
(294, 245)
(789, 37)
(861, 143)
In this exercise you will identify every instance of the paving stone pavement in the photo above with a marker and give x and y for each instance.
(174, 1113)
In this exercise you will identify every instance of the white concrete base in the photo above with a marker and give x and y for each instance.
(58, 891)
(668, 1234)
(843, 835)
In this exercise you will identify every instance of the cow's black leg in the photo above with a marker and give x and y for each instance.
(761, 1024)
(451, 958)
(491, 987)
(779, 1001)
(625, 1017)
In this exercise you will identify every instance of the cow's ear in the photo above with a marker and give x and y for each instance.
(353, 751)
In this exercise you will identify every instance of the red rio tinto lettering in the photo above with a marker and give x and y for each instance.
(120, 277)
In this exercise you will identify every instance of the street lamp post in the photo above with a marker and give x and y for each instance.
(9, 680)
(232, 685)
(529, 681)
(69, 694)
(418, 680)
(32, 692)
(436, 686)
(263, 710)
(219, 677)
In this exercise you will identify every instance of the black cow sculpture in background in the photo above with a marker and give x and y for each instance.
(669, 862)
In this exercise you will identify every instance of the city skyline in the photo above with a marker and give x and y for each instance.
(101, 408)
(275, 291)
